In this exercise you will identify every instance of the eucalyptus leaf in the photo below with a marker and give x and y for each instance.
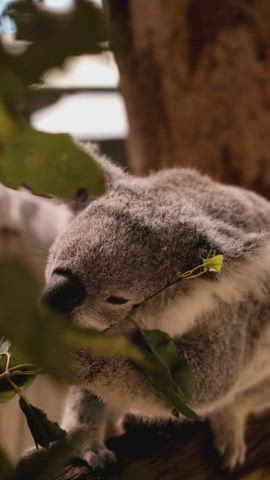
(54, 36)
(49, 164)
(214, 264)
(22, 320)
(162, 381)
(169, 372)
(43, 430)
(7, 392)
(24, 325)
(102, 346)
(36, 427)
(6, 468)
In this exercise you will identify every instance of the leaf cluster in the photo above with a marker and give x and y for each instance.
(49, 164)
(51, 37)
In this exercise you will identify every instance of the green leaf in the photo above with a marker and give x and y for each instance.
(36, 427)
(49, 164)
(214, 264)
(54, 37)
(24, 323)
(169, 373)
(22, 320)
(23, 367)
(162, 381)
(6, 468)
(182, 375)
(43, 430)
(7, 392)
(101, 346)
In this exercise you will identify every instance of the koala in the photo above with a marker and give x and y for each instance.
(127, 246)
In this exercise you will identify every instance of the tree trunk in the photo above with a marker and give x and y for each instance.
(195, 78)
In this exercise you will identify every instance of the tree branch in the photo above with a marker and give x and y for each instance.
(180, 453)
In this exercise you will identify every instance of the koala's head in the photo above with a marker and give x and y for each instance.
(122, 248)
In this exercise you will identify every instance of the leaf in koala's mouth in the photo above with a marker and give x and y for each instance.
(169, 373)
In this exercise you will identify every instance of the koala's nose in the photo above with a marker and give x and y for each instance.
(63, 292)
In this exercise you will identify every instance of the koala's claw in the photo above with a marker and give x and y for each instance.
(232, 449)
(98, 458)
(229, 440)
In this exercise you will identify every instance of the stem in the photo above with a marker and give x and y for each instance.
(29, 373)
(14, 386)
(189, 273)
(180, 276)
(196, 275)
(9, 374)
(23, 366)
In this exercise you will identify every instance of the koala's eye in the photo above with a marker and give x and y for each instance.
(116, 300)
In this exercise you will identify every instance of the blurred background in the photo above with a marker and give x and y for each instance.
(195, 91)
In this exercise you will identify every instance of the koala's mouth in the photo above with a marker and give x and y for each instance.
(89, 321)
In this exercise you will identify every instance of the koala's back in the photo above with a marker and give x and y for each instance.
(195, 194)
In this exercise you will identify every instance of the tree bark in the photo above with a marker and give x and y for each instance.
(195, 78)
(173, 453)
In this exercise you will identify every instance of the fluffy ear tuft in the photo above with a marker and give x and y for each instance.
(112, 173)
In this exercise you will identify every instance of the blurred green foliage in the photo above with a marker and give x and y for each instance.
(47, 163)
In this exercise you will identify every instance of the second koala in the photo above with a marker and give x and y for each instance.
(130, 243)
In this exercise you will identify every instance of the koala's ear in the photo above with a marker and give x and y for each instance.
(112, 173)
(238, 246)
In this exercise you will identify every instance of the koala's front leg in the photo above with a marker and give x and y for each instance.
(229, 424)
(85, 412)
(214, 350)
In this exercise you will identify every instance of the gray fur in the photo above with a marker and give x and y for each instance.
(131, 242)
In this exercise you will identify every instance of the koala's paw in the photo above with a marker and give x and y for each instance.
(98, 458)
(229, 439)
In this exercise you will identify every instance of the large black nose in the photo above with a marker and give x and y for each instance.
(63, 292)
